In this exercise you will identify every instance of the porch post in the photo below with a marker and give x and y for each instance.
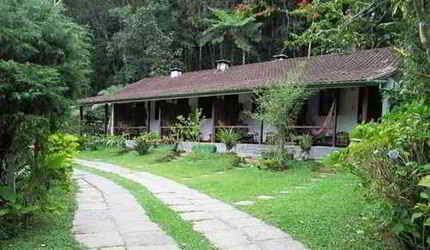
(148, 116)
(365, 104)
(81, 116)
(336, 108)
(112, 114)
(261, 132)
(106, 118)
(213, 135)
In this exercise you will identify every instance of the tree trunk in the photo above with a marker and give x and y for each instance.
(243, 57)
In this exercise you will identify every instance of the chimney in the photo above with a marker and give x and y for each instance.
(222, 65)
(280, 57)
(175, 72)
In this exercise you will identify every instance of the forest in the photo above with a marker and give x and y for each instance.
(140, 38)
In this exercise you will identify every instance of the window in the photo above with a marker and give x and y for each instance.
(205, 103)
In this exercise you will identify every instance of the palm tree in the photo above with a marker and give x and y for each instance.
(243, 30)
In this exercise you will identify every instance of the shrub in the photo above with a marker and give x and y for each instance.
(229, 137)
(272, 164)
(305, 142)
(115, 141)
(391, 160)
(89, 142)
(203, 148)
(142, 146)
(146, 141)
(49, 165)
(277, 155)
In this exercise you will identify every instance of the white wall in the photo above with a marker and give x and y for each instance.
(155, 121)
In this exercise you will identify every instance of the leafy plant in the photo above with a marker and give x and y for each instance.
(272, 164)
(146, 141)
(229, 137)
(189, 128)
(392, 161)
(305, 142)
(115, 141)
(204, 148)
(280, 105)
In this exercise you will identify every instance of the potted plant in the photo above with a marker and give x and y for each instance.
(229, 137)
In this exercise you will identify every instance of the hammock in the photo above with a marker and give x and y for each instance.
(326, 125)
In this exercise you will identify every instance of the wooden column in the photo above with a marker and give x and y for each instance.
(261, 132)
(81, 116)
(213, 135)
(365, 105)
(336, 110)
(106, 118)
(148, 116)
(112, 115)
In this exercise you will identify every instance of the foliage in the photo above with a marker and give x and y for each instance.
(189, 128)
(47, 168)
(305, 142)
(229, 137)
(146, 141)
(115, 141)
(391, 163)
(44, 64)
(280, 105)
(365, 131)
(242, 29)
(89, 142)
(272, 164)
(204, 148)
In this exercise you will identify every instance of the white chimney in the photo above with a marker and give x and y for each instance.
(280, 57)
(175, 72)
(222, 65)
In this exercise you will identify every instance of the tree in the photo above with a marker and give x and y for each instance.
(44, 64)
(279, 105)
(242, 29)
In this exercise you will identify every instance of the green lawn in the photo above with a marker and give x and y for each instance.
(323, 211)
(49, 230)
(181, 231)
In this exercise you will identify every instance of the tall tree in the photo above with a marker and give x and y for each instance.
(242, 29)
(44, 64)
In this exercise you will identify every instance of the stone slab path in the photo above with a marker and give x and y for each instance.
(108, 217)
(223, 225)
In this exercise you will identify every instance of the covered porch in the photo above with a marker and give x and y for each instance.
(329, 115)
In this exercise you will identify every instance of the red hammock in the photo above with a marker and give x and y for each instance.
(326, 124)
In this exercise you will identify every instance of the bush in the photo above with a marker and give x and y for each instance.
(89, 142)
(391, 160)
(272, 164)
(203, 148)
(142, 146)
(48, 166)
(229, 137)
(115, 141)
(277, 155)
(146, 141)
(305, 142)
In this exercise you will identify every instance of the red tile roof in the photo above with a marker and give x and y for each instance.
(326, 71)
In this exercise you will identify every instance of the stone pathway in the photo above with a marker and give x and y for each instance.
(109, 218)
(223, 225)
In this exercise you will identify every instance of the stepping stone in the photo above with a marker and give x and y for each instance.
(284, 192)
(245, 203)
(265, 197)
(225, 226)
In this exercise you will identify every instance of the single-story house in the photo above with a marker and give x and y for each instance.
(349, 92)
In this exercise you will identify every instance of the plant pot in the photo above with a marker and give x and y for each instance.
(424, 30)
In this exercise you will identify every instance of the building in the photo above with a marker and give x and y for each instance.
(349, 92)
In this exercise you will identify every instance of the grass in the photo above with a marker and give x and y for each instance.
(180, 230)
(48, 230)
(323, 211)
